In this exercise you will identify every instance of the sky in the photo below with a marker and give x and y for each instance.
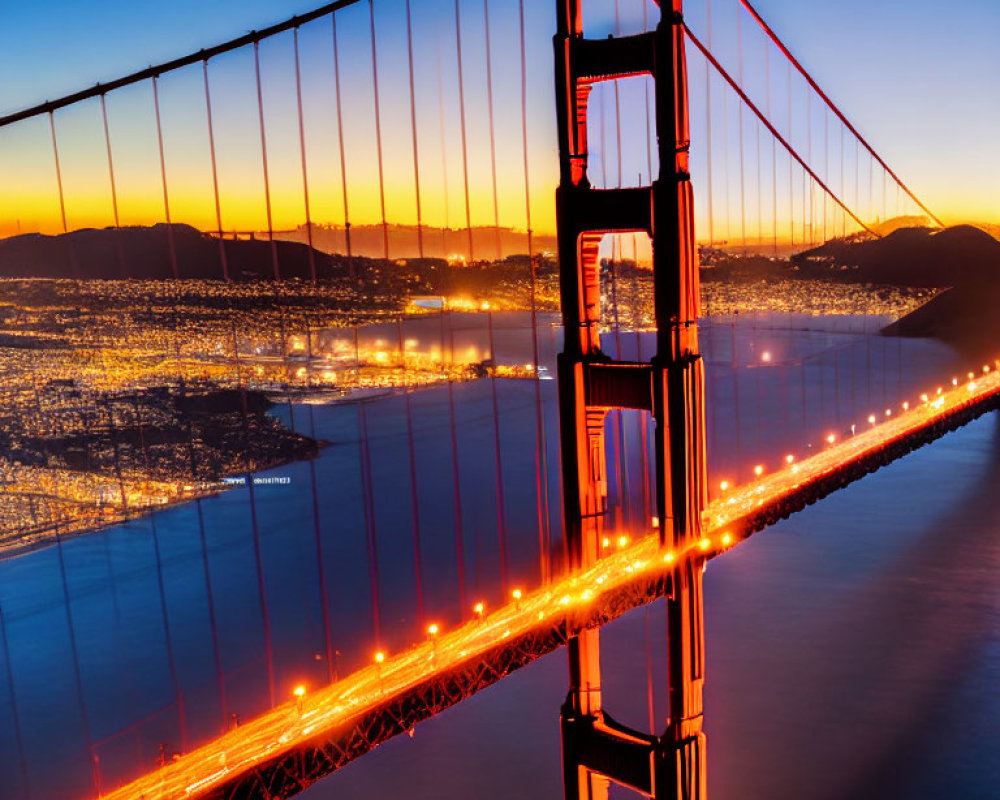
(916, 79)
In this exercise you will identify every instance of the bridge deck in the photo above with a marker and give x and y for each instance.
(281, 752)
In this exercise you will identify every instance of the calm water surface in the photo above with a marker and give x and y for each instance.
(852, 651)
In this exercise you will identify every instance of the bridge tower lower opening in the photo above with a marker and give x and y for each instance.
(670, 387)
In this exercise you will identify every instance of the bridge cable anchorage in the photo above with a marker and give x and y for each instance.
(340, 145)
(773, 131)
(378, 131)
(833, 107)
(169, 66)
(302, 152)
(223, 261)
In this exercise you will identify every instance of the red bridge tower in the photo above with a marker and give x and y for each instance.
(670, 387)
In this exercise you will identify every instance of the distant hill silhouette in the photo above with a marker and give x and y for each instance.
(144, 253)
(964, 258)
(964, 317)
(893, 224)
(909, 257)
(488, 243)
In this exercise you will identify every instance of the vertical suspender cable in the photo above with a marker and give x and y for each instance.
(414, 509)
(650, 697)
(163, 179)
(456, 494)
(413, 129)
(378, 132)
(843, 181)
(444, 161)
(113, 184)
(774, 156)
(265, 615)
(255, 530)
(826, 166)
(647, 511)
(493, 135)
(263, 153)
(791, 171)
(541, 449)
(645, 92)
(602, 116)
(324, 594)
(760, 191)
(367, 500)
(340, 139)
(708, 124)
(461, 112)
(82, 703)
(302, 151)
(618, 116)
(15, 718)
(59, 183)
(498, 463)
(743, 198)
(167, 637)
(857, 175)
(210, 603)
(74, 264)
(807, 185)
(414, 491)
(725, 165)
(223, 261)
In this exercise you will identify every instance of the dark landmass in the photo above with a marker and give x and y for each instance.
(965, 259)
(179, 434)
(488, 243)
(145, 253)
(908, 257)
(965, 317)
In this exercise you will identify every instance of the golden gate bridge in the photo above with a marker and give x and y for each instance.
(595, 570)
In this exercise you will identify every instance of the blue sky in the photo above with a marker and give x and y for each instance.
(917, 78)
